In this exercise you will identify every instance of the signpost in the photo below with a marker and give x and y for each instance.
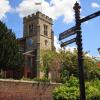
(67, 33)
(72, 30)
(80, 51)
(96, 14)
(68, 42)
(77, 29)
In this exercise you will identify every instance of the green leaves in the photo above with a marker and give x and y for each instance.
(70, 90)
(48, 58)
(67, 61)
(93, 90)
(10, 58)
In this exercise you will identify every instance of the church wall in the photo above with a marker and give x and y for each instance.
(26, 90)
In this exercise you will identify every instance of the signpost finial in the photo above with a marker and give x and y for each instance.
(76, 6)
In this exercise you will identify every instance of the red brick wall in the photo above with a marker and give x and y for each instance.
(16, 90)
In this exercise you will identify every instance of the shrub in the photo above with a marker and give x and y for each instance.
(70, 90)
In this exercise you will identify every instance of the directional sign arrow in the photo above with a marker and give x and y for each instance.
(90, 16)
(67, 33)
(72, 30)
(68, 42)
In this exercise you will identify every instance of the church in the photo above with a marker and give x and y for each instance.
(37, 36)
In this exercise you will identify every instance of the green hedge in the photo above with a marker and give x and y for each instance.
(70, 90)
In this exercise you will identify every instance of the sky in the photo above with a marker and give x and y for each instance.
(62, 13)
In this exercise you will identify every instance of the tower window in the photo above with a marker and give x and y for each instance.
(30, 29)
(45, 30)
(46, 42)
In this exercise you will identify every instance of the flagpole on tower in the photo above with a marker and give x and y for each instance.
(38, 3)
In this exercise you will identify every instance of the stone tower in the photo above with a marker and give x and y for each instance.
(37, 36)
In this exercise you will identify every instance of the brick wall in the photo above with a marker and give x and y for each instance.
(25, 90)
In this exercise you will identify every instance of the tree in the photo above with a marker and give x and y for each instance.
(91, 71)
(48, 57)
(69, 65)
(51, 65)
(10, 57)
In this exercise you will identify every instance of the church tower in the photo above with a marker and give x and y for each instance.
(38, 35)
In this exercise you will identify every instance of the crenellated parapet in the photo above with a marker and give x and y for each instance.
(38, 15)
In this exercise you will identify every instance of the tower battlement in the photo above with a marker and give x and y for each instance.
(40, 16)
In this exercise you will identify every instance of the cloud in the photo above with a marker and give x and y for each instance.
(57, 45)
(95, 5)
(54, 8)
(4, 8)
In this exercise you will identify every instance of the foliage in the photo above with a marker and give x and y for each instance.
(10, 58)
(93, 90)
(42, 80)
(92, 71)
(69, 65)
(39, 80)
(70, 90)
(48, 57)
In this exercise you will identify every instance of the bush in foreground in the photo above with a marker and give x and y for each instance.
(70, 90)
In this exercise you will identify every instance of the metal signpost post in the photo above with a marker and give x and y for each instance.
(80, 51)
(77, 29)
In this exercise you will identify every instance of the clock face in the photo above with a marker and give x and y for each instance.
(29, 42)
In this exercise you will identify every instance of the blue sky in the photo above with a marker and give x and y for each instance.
(63, 19)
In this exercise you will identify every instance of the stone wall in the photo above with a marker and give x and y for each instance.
(25, 90)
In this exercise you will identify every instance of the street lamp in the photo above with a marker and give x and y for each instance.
(99, 50)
